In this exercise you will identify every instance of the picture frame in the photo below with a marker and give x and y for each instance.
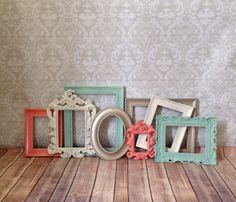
(117, 91)
(209, 155)
(131, 103)
(135, 130)
(164, 102)
(30, 114)
(102, 152)
(70, 101)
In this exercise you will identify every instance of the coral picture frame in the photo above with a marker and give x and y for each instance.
(208, 157)
(30, 114)
(137, 129)
(116, 91)
(70, 101)
(163, 102)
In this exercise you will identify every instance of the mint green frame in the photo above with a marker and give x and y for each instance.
(209, 155)
(118, 91)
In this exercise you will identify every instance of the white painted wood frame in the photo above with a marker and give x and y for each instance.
(151, 111)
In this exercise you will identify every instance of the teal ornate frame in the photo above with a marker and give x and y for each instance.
(209, 155)
(117, 91)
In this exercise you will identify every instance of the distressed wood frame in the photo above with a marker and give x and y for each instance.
(70, 101)
(209, 155)
(159, 101)
(118, 152)
(117, 91)
(140, 128)
(30, 114)
(130, 103)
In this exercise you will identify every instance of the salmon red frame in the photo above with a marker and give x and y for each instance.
(30, 114)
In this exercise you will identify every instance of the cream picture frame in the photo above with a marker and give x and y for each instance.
(170, 104)
(70, 101)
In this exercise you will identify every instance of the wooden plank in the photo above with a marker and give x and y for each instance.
(200, 183)
(47, 183)
(219, 184)
(28, 180)
(230, 154)
(2, 152)
(179, 182)
(121, 186)
(138, 181)
(9, 158)
(226, 171)
(66, 180)
(13, 174)
(105, 182)
(159, 183)
(83, 183)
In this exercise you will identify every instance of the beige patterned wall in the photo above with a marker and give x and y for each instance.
(172, 48)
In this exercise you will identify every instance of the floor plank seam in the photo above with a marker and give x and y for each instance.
(225, 156)
(13, 161)
(189, 181)
(19, 178)
(59, 179)
(38, 179)
(114, 190)
(211, 183)
(72, 181)
(148, 180)
(169, 182)
(95, 179)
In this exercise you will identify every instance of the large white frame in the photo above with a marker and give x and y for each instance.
(163, 102)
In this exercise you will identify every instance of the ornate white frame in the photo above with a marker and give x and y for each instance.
(159, 101)
(70, 101)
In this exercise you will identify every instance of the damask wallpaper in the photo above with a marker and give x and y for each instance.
(171, 48)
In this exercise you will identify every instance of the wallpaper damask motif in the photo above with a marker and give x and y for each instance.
(171, 48)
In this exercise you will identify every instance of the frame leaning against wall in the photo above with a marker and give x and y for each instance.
(117, 91)
(70, 101)
(209, 154)
(30, 114)
(130, 103)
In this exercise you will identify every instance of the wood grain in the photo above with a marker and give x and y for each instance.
(230, 154)
(226, 171)
(2, 152)
(159, 183)
(138, 181)
(47, 183)
(180, 184)
(13, 174)
(9, 158)
(28, 180)
(84, 180)
(121, 186)
(66, 180)
(105, 182)
(220, 186)
(200, 183)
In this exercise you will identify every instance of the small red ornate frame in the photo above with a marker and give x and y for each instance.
(29, 132)
(140, 128)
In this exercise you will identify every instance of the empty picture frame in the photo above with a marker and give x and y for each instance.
(135, 130)
(30, 115)
(123, 148)
(117, 91)
(70, 101)
(131, 103)
(207, 157)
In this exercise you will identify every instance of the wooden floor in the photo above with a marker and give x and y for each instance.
(93, 179)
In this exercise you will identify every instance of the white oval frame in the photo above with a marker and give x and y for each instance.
(126, 121)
